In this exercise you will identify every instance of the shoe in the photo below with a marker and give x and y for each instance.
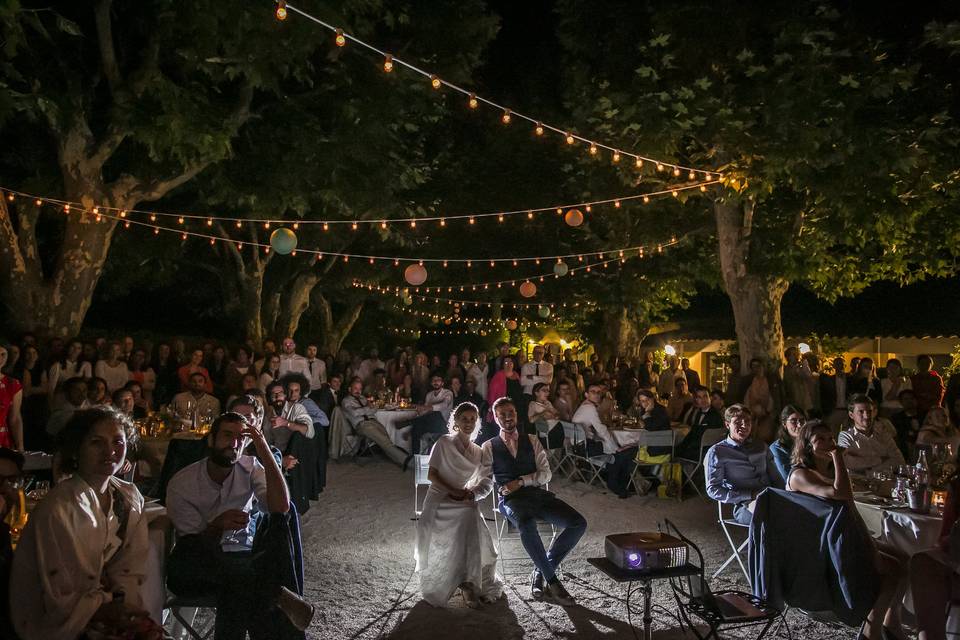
(298, 611)
(558, 595)
(469, 596)
(536, 585)
(406, 462)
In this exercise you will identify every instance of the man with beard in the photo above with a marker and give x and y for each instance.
(215, 505)
(431, 415)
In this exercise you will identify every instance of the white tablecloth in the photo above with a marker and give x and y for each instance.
(392, 419)
(632, 437)
(902, 529)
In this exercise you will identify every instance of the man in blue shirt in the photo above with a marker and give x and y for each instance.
(739, 468)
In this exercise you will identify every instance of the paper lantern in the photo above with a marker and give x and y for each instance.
(447, 321)
(528, 289)
(574, 218)
(283, 241)
(511, 325)
(415, 274)
(544, 311)
(561, 268)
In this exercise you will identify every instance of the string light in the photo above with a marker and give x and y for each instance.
(505, 118)
(616, 156)
(539, 129)
(570, 138)
(388, 63)
(593, 149)
(339, 39)
(473, 102)
(281, 11)
(435, 82)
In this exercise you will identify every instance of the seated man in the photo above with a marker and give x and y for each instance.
(363, 420)
(195, 398)
(518, 465)
(287, 417)
(256, 579)
(871, 443)
(378, 385)
(431, 415)
(588, 416)
(122, 399)
(699, 417)
(298, 387)
(75, 399)
(739, 468)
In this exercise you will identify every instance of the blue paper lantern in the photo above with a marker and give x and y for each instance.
(283, 241)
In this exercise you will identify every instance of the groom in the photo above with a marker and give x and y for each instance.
(519, 466)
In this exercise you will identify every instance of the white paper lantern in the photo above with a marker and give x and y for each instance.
(561, 268)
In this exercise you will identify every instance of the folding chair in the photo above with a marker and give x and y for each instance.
(587, 468)
(506, 531)
(709, 438)
(558, 454)
(726, 523)
(720, 610)
(665, 438)
(183, 608)
(421, 471)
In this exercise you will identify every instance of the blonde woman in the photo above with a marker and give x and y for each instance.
(454, 547)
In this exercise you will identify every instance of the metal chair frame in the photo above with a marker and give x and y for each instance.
(697, 600)
(709, 438)
(726, 523)
(594, 464)
(506, 531)
(665, 438)
(421, 473)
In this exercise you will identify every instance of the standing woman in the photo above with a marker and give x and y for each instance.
(11, 397)
(70, 365)
(504, 383)
(454, 547)
(80, 561)
(113, 369)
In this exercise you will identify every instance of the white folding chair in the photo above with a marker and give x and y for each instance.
(690, 467)
(421, 473)
(665, 438)
(587, 468)
(507, 532)
(727, 523)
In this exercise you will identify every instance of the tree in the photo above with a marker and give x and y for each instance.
(835, 133)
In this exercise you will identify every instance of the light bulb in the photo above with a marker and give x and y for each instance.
(388, 63)
(209, 222)
(703, 187)
(340, 39)
(646, 199)
(616, 204)
(691, 176)
(659, 167)
(539, 129)
(281, 11)
(639, 163)
(37, 202)
(593, 149)
(530, 215)
(383, 225)
(11, 197)
(473, 102)
(239, 224)
(500, 218)
(123, 214)
(616, 156)
(153, 217)
(435, 82)
(353, 226)
(472, 221)
(676, 171)
(443, 222)
(180, 220)
(66, 209)
(505, 118)
(570, 138)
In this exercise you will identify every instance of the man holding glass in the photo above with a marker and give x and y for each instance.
(215, 505)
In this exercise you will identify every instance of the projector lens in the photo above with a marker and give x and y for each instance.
(634, 559)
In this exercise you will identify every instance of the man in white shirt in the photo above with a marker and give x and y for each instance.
(368, 366)
(537, 370)
(517, 466)
(667, 383)
(316, 369)
(215, 504)
(363, 420)
(432, 415)
(195, 399)
(871, 443)
(587, 416)
(290, 360)
(288, 418)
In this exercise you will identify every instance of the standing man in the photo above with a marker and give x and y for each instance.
(693, 378)
(316, 369)
(290, 360)
(668, 378)
(257, 580)
(535, 372)
(927, 385)
(516, 466)
(833, 395)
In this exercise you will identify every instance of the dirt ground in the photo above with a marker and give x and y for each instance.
(358, 554)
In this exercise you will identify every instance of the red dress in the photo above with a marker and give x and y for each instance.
(9, 388)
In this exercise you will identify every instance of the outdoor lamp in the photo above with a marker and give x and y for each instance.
(670, 350)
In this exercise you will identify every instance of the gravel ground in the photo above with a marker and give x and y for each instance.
(358, 552)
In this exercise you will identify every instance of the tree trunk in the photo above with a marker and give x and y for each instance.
(334, 330)
(755, 297)
(294, 302)
(622, 334)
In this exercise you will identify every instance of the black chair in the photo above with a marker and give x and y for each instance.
(302, 478)
(180, 454)
(719, 610)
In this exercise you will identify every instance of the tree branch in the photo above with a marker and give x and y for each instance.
(108, 55)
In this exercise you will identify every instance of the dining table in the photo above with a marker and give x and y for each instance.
(397, 423)
(631, 436)
(895, 525)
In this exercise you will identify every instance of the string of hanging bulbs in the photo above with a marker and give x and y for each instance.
(508, 115)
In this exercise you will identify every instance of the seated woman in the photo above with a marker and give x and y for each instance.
(935, 573)
(936, 429)
(791, 421)
(80, 562)
(454, 547)
(652, 416)
(819, 469)
(540, 408)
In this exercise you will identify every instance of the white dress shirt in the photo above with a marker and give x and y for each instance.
(587, 415)
(878, 450)
(485, 473)
(293, 412)
(535, 372)
(357, 409)
(440, 400)
(316, 372)
(194, 499)
(293, 363)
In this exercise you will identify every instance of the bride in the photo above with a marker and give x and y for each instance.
(454, 548)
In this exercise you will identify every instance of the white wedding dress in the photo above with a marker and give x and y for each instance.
(453, 543)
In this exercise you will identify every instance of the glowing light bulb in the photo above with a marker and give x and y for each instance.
(353, 226)
(472, 221)
(616, 156)
(153, 217)
(388, 63)
(37, 202)
(340, 39)
(281, 11)
(239, 224)
(443, 222)
(530, 215)
(11, 197)
(500, 218)
(66, 208)
(180, 220)
(506, 117)
(691, 176)
(123, 214)
(593, 149)
(674, 193)
(539, 129)
(639, 163)
(570, 138)
(646, 199)
(209, 222)
(473, 102)
(326, 227)
(703, 187)
(435, 82)
(659, 167)
(383, 225)
(616, 204)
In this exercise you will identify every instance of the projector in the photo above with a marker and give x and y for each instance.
(645, 550)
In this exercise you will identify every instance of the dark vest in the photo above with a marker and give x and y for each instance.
(505, 466)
